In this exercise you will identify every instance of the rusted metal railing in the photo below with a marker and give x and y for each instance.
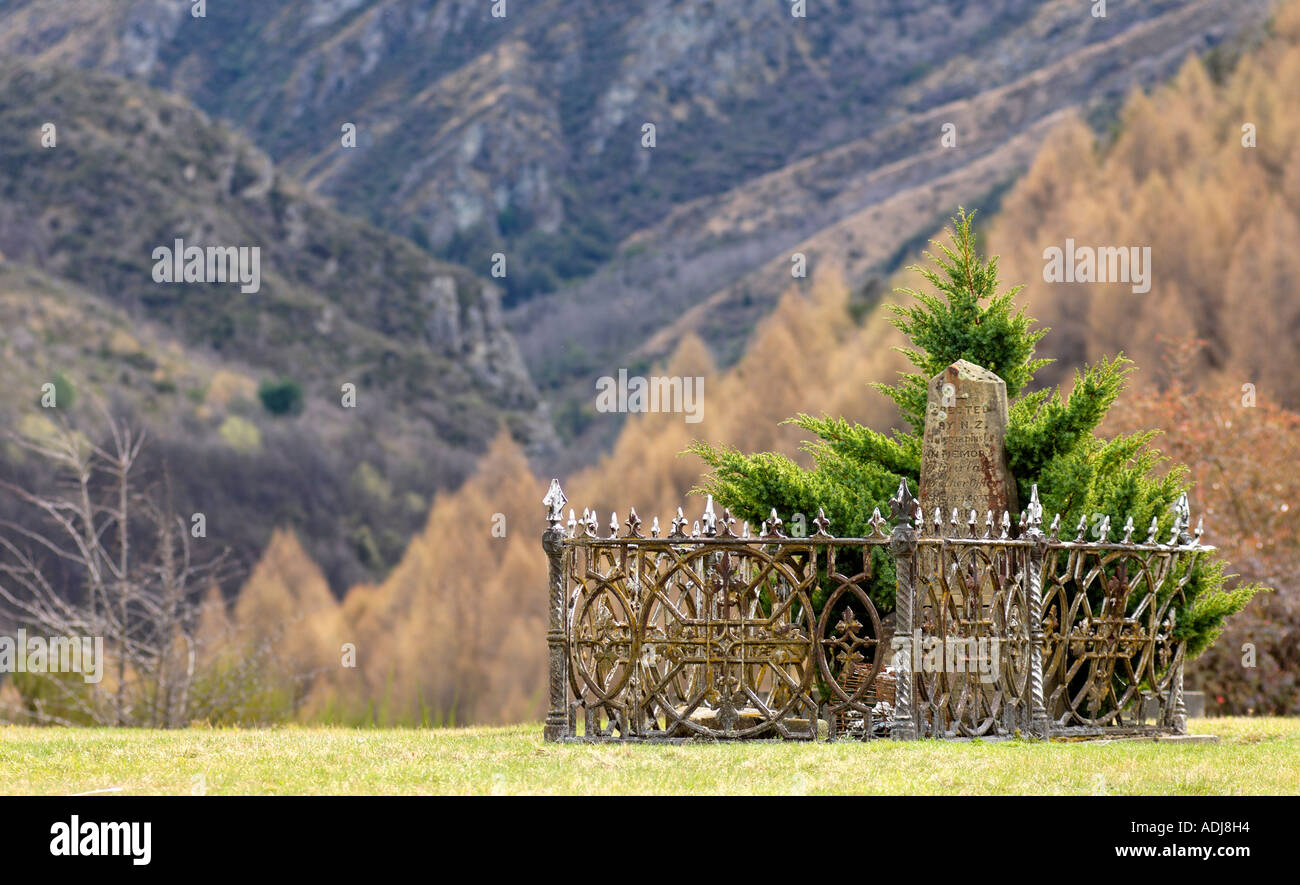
(714, 633)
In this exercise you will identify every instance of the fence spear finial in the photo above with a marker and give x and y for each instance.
(902, 504)
(1128, 530)
(1035, 509)
(1154, 531)
(1182, 517)
(727, 522)
(554, 502)
(709, 522)
(773, 525)
(822, 523)
(1182, 521)
(877, 522)
(679, 525)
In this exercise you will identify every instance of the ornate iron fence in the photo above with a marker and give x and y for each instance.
(714, 633)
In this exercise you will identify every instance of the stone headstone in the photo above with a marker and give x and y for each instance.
(963, 453)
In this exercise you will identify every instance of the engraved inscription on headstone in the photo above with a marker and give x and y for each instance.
(963, 457)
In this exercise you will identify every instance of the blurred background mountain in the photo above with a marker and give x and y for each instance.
(523, 136)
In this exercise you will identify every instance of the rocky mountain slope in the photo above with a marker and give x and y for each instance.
(340, 302)
(523, 134)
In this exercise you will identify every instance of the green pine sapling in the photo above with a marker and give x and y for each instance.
(1051, 439)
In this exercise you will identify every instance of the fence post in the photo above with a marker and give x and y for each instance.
(902, 544)
(557, 721)
(1182, 522)
(1180, 706)
(1039, 723)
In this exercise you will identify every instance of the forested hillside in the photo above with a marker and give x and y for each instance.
(773, 136)
(524, 134)
(337, 302)
(420, 661)
(1207, 174)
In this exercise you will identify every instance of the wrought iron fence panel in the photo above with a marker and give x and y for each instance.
(1109, 650)
(718, 635)
(716, 640)
(972, 613)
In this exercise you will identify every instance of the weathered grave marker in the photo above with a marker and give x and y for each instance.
(963, 453)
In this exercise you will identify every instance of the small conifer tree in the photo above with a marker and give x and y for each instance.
(1051, 438)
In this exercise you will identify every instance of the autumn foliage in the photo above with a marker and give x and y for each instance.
(456, 632)
(1222, 219)
(1241, 450)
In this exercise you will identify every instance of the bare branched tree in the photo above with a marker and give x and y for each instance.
(103, 557)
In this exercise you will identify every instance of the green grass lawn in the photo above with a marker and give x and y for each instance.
(1253, 756)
